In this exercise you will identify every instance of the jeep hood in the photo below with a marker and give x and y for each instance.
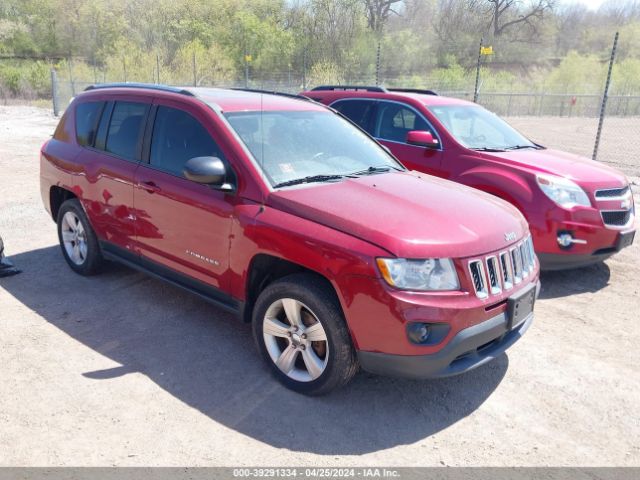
(589, 174)
(409, 214)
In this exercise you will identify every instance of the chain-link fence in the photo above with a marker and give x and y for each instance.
(564, 121)
(554, 104)
(568, 121)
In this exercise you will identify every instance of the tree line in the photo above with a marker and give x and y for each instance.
(537, 44)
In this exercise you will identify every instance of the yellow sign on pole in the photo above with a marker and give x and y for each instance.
(486, 50)
(248, 58)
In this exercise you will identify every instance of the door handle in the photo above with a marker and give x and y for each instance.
(149, 186)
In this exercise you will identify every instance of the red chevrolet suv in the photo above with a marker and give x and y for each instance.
(277, 209)
(579, 211)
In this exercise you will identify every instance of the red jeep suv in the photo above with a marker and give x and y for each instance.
(277, 209)
(579, 211)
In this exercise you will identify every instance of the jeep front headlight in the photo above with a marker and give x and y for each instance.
(421, 275)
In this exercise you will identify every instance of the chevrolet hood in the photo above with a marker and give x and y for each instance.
(589, 174)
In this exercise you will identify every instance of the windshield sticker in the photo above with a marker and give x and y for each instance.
(286, 168)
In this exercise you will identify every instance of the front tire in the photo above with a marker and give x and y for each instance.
(78, 241)
(300, 331)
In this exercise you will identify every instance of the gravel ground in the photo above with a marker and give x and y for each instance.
(122, 369)
(619, 143)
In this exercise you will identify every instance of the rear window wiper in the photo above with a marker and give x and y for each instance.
(309, 179)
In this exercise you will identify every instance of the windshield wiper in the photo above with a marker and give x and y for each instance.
(520, 147)
(309, 179)
(380, 169)
(488, 149)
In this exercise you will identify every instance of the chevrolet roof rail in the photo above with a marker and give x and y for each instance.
(413, 90)
(272, 92)
(146, 86)
(366, 88)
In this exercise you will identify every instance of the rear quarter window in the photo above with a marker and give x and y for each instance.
(87, 116)
(63, 129)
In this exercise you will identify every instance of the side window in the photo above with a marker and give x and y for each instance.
(87, 115)
(125, 129)
(178, 137)
(358, 111)
(395, 121)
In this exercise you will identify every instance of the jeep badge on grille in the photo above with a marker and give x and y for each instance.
(510, 236)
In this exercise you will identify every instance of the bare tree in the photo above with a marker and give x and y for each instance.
(378, 12)
(454, 17)
(509, 13)
(571, 20)
(620, 12)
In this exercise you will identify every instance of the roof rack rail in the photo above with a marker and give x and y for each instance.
(272, 92)
(366, 88)
(413, 90)
(147, 86)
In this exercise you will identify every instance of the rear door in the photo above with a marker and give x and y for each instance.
(393, 121)
(109, 159)
(180, 224)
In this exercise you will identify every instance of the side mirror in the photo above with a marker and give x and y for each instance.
(209, 171)
(422, 139)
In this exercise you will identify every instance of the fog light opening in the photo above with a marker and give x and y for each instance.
(565, 239)
(418, 332)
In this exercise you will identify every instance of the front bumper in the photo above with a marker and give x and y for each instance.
(594, 243)
(550, 262)
(599, 246)
(470, 348)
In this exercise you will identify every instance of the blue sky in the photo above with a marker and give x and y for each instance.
(592, 4)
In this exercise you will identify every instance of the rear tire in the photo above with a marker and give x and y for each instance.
(300, 331)
(78, 241)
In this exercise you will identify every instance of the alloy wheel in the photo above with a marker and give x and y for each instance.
(74, 238)
(296, 340)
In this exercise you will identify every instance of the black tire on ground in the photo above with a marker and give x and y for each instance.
(320, 298)
(90, 265)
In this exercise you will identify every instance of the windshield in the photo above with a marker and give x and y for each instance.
(479, 129)
(294, 146)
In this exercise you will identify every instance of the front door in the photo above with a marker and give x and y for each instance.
(393, 122)
(181, 224)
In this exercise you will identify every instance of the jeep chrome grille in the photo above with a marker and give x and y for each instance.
(524, 258)
(516, 260)
(507, 271)
(478, 278)
(494, 274)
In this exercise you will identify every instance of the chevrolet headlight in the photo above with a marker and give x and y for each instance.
(423, 275)
(562, 191)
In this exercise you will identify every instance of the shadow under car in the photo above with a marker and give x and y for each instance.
(207, 359)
